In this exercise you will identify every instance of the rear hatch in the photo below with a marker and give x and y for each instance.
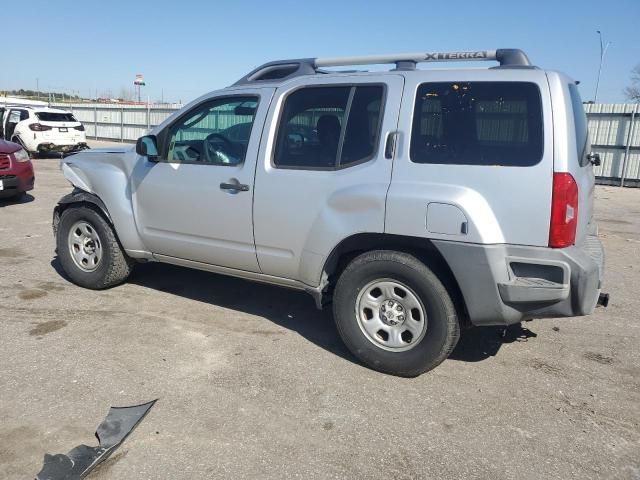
(63, 127)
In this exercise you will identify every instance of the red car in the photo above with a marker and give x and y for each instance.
(16, 170)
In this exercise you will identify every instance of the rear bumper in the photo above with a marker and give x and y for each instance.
(505, 284)
(52, 147)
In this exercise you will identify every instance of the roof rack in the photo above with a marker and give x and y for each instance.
(285, 69)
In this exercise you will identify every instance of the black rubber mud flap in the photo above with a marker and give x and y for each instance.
(79, 462)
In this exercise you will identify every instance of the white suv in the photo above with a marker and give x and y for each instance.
(42, 129)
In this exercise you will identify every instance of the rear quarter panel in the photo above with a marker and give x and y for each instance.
(502, 204)
(567, 152)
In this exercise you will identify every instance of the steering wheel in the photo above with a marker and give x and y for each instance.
(218, 156)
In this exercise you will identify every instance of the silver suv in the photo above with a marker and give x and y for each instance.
(414, 201)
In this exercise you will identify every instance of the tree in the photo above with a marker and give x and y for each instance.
(632, 92)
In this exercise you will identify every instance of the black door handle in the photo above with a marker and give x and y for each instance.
(390, 145)
(234, 187)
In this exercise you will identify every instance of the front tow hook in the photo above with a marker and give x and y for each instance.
(603, 300)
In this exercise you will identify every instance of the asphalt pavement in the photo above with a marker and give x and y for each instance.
(253, 382)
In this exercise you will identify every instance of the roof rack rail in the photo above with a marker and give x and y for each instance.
(284, 69)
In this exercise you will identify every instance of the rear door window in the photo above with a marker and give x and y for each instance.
(55, 117)
(329, 127)
(477, 123)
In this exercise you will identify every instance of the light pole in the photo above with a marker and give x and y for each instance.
(603, 51)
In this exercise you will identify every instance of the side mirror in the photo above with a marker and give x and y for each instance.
(147, 146)
(594, 158)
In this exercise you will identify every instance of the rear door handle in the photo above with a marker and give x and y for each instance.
(390, 145)
(234, 186)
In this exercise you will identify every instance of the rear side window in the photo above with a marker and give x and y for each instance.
(324, 128)
(477, 123)
(580, 122)
(55, 117)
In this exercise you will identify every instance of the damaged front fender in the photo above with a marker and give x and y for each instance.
(105, 175)
(77, 196)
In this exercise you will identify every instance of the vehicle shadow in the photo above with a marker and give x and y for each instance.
(479, 343)
(24, 198)
(287, 308)
(292, 309)
(46, 155)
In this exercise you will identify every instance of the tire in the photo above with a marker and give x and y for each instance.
(430, 339)
(113, 266)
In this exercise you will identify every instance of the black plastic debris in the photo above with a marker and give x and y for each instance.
(79, 462)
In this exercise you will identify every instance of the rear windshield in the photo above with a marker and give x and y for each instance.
(580, 122)
(477, 123)
(55, 117)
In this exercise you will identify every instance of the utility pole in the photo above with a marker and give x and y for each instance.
(603, 51)
(38, 88)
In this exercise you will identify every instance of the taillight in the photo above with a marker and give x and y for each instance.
(79, 127)
(564, 211)
(38, 127)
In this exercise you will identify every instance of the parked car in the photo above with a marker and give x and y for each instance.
(413, 201)
(16, 170)
(42, 129)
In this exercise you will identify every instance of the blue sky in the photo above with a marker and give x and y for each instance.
(187, 48)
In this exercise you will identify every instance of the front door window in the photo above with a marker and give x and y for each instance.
(214, 133)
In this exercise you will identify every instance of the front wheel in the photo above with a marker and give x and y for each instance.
(394, 314)
(89, 251)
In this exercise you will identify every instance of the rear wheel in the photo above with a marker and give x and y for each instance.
(394, 314)
(89, 250)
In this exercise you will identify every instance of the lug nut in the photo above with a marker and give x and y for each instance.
(401, 317)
